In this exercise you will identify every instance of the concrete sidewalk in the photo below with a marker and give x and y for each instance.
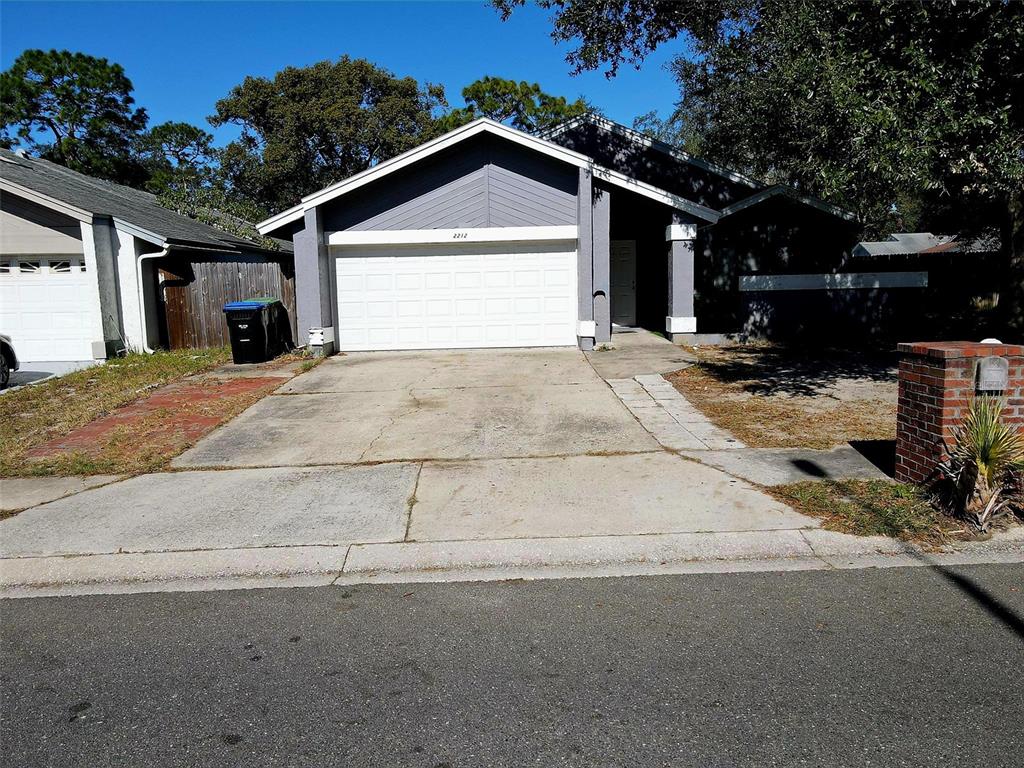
(429, 521)
(483, 560)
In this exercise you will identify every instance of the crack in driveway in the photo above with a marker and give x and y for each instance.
(417, 403)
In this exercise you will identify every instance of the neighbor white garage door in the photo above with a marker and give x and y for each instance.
(520, 294)
(45, 307)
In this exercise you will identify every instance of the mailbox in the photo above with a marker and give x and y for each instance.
(993, 374)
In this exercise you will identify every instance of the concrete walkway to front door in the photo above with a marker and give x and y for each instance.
(406, 466)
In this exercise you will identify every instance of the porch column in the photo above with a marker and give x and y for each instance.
(681, 318)
(602, 265)
(585, 261)
(313, 299)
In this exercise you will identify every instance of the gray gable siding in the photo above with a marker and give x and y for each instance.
(480, 183)
(652, 166)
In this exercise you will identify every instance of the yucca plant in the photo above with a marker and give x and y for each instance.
(985, 465)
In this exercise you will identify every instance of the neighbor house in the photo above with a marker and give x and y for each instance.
(962, 278)
(491, 237)
(89, 268)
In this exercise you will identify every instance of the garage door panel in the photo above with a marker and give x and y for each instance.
(466, 295)
(47, 311)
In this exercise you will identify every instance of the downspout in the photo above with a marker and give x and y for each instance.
(143, 328)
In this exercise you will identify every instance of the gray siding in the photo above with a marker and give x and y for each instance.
(518, 200)
(479, 183)
(459, 203)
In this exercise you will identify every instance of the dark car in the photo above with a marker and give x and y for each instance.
(8, 360)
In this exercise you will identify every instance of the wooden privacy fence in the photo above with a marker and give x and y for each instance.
(194, 289)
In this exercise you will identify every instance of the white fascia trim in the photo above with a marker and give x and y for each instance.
(280, 219)
(660, 146)
(654, 193)
(482, 125)
(681, 324)
(139, 232)
(46, 201)
(681, 232)
(586, 329)
(833, 282)
(468, 235)
(781, 189)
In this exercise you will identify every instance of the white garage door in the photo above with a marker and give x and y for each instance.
(519, 294)
(45, 307)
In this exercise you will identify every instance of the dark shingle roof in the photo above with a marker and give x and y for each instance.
(104, 198)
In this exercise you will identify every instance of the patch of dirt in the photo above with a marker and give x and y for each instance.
(773, 396)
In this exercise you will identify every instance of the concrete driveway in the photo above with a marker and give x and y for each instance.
(475, 455)
(382, 406)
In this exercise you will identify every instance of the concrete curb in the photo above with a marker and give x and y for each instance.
(490, 560)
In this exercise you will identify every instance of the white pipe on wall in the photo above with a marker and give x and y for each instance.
(143, 330)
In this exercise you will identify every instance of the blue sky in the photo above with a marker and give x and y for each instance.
(184, 56)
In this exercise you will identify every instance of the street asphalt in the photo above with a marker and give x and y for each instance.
(893, 667)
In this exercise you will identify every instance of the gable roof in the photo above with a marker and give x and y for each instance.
(786, 191)
(83, 197)
(761, 194)
(475, 128)
(646, 141)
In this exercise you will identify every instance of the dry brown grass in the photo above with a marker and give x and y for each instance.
(874, 508)
(149, 444)
(36, 414)
(773, 397)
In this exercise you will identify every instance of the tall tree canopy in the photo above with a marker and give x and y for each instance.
(177, 155)
(311, 126)
(909, 112)
(74, 109)
(521, 104)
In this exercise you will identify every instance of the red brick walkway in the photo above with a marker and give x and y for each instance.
(185, 411)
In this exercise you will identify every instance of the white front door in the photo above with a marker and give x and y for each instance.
(623, 282)
(47, 308)
(505, 294)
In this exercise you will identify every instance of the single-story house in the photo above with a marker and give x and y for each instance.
(88, 268)
(491, 237)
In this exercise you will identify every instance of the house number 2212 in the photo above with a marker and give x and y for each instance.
(460, 236)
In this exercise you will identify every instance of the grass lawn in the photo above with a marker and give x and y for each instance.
(36, 414)
(873, 508)
(777, 396)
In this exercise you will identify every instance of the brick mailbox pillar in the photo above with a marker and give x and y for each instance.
(936, 382)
